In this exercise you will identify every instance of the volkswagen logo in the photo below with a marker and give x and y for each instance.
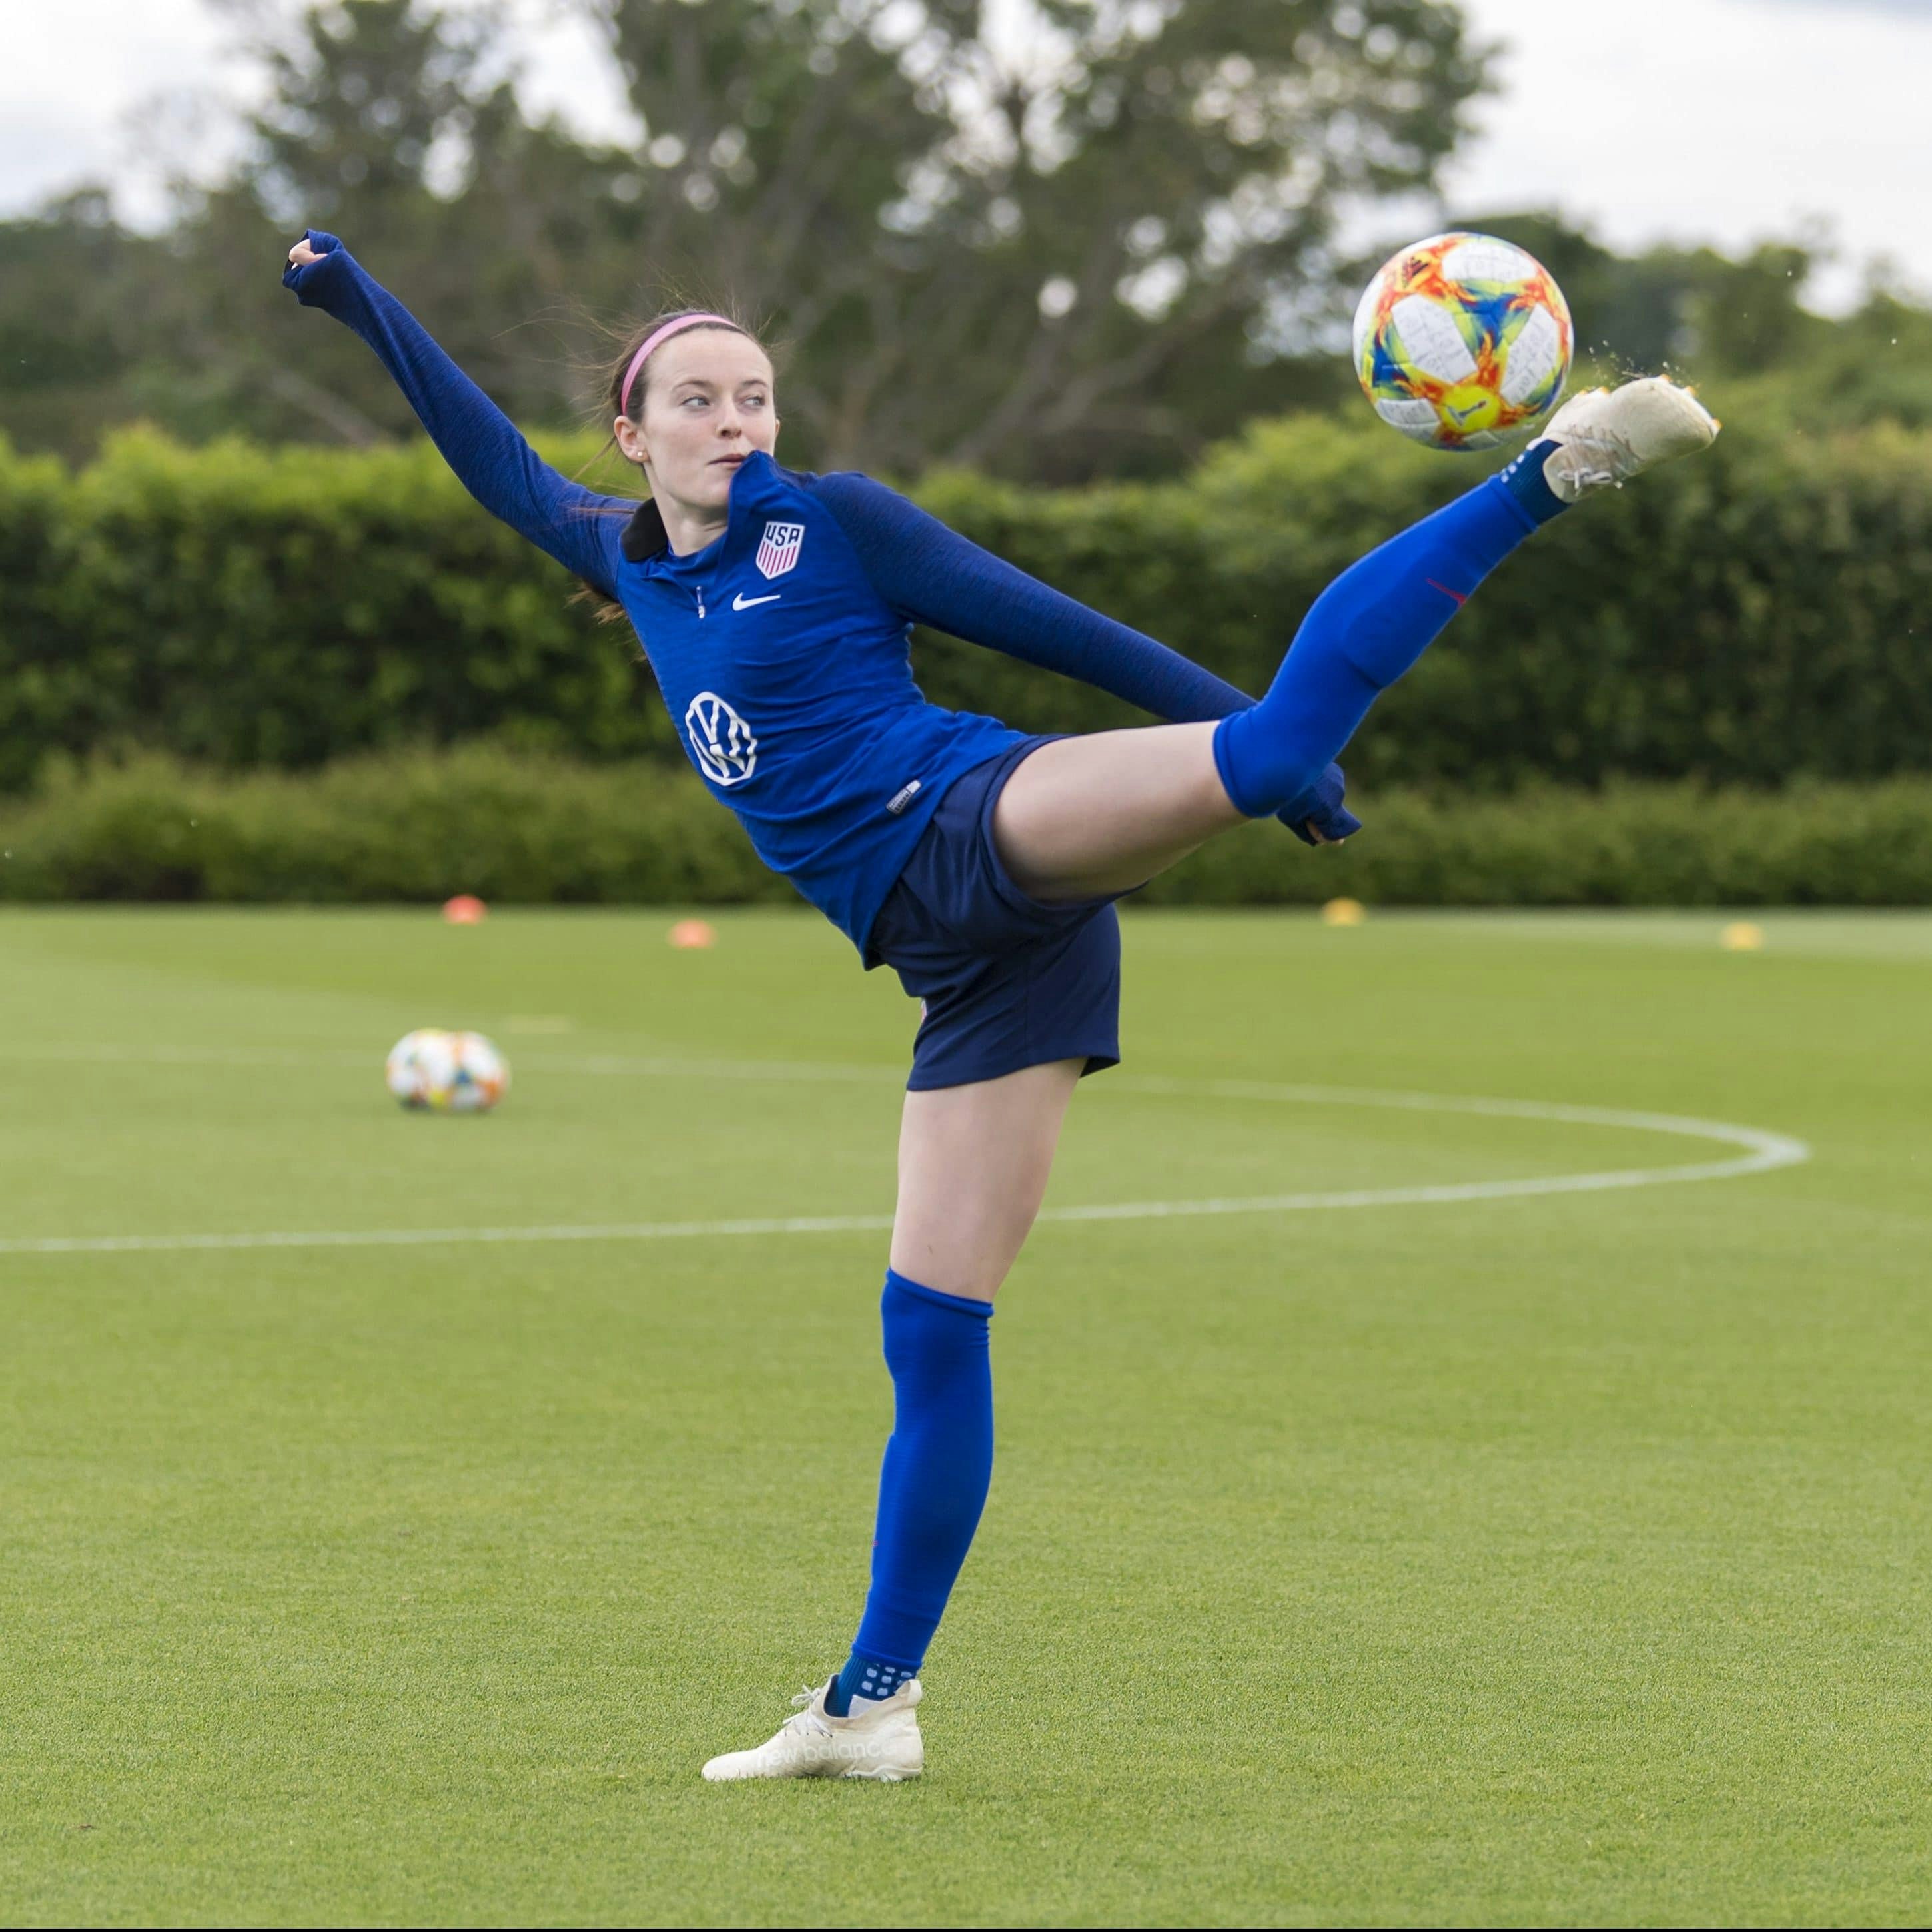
(720, 741)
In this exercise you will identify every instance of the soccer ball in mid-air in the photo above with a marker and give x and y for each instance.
(453, 1072)
(1462, 339)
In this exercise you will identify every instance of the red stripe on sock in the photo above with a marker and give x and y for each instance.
(1461, 597)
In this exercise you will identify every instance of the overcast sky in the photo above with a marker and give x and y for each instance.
(1719, 120)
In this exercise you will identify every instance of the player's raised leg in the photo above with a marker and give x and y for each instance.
(1088, 816)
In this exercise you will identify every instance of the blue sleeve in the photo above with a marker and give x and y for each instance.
(932, 575)
(576, 525)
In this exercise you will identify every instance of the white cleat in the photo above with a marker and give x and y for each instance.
(881, 1742)
(1609, 435)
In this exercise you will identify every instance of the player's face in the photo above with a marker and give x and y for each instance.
(707, 405)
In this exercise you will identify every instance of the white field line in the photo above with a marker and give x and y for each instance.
(1763, 1152)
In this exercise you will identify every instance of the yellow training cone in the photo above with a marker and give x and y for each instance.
(1742, 936)
(1344, 912)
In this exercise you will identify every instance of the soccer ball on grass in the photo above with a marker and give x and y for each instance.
(451, 1072)
(1462, 339)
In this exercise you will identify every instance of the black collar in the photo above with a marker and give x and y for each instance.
(644, 536)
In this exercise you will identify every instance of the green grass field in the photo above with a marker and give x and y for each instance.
(1539, 1557)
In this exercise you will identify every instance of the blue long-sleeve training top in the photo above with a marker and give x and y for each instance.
(782, 647)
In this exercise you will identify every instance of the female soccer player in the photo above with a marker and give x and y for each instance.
(981, 864)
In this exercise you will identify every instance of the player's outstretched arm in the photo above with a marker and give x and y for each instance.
(494, 464)
(932, 575)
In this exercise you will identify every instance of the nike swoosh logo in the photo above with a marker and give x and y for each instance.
(742, 602)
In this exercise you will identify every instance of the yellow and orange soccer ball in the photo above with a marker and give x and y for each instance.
(1462, 340)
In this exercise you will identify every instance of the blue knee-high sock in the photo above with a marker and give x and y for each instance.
(933, 1485)
(1368, 628)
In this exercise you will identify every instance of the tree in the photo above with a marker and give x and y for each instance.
(1083, 245)
(398, 126)
(72, 346)
(1041, 252)
(1075, 248)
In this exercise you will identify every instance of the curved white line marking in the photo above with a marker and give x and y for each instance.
(1763, 1153)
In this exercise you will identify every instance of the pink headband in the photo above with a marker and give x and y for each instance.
(676, 325)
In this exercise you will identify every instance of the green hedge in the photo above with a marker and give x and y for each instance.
(531, 828)
(1757, 615)
(249, 608)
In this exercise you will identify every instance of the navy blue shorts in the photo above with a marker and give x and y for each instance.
(1008, 982)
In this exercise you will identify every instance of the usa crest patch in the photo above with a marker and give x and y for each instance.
(779, 548)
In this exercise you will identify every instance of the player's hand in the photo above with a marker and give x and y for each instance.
(315, 288)
(1319, 816)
